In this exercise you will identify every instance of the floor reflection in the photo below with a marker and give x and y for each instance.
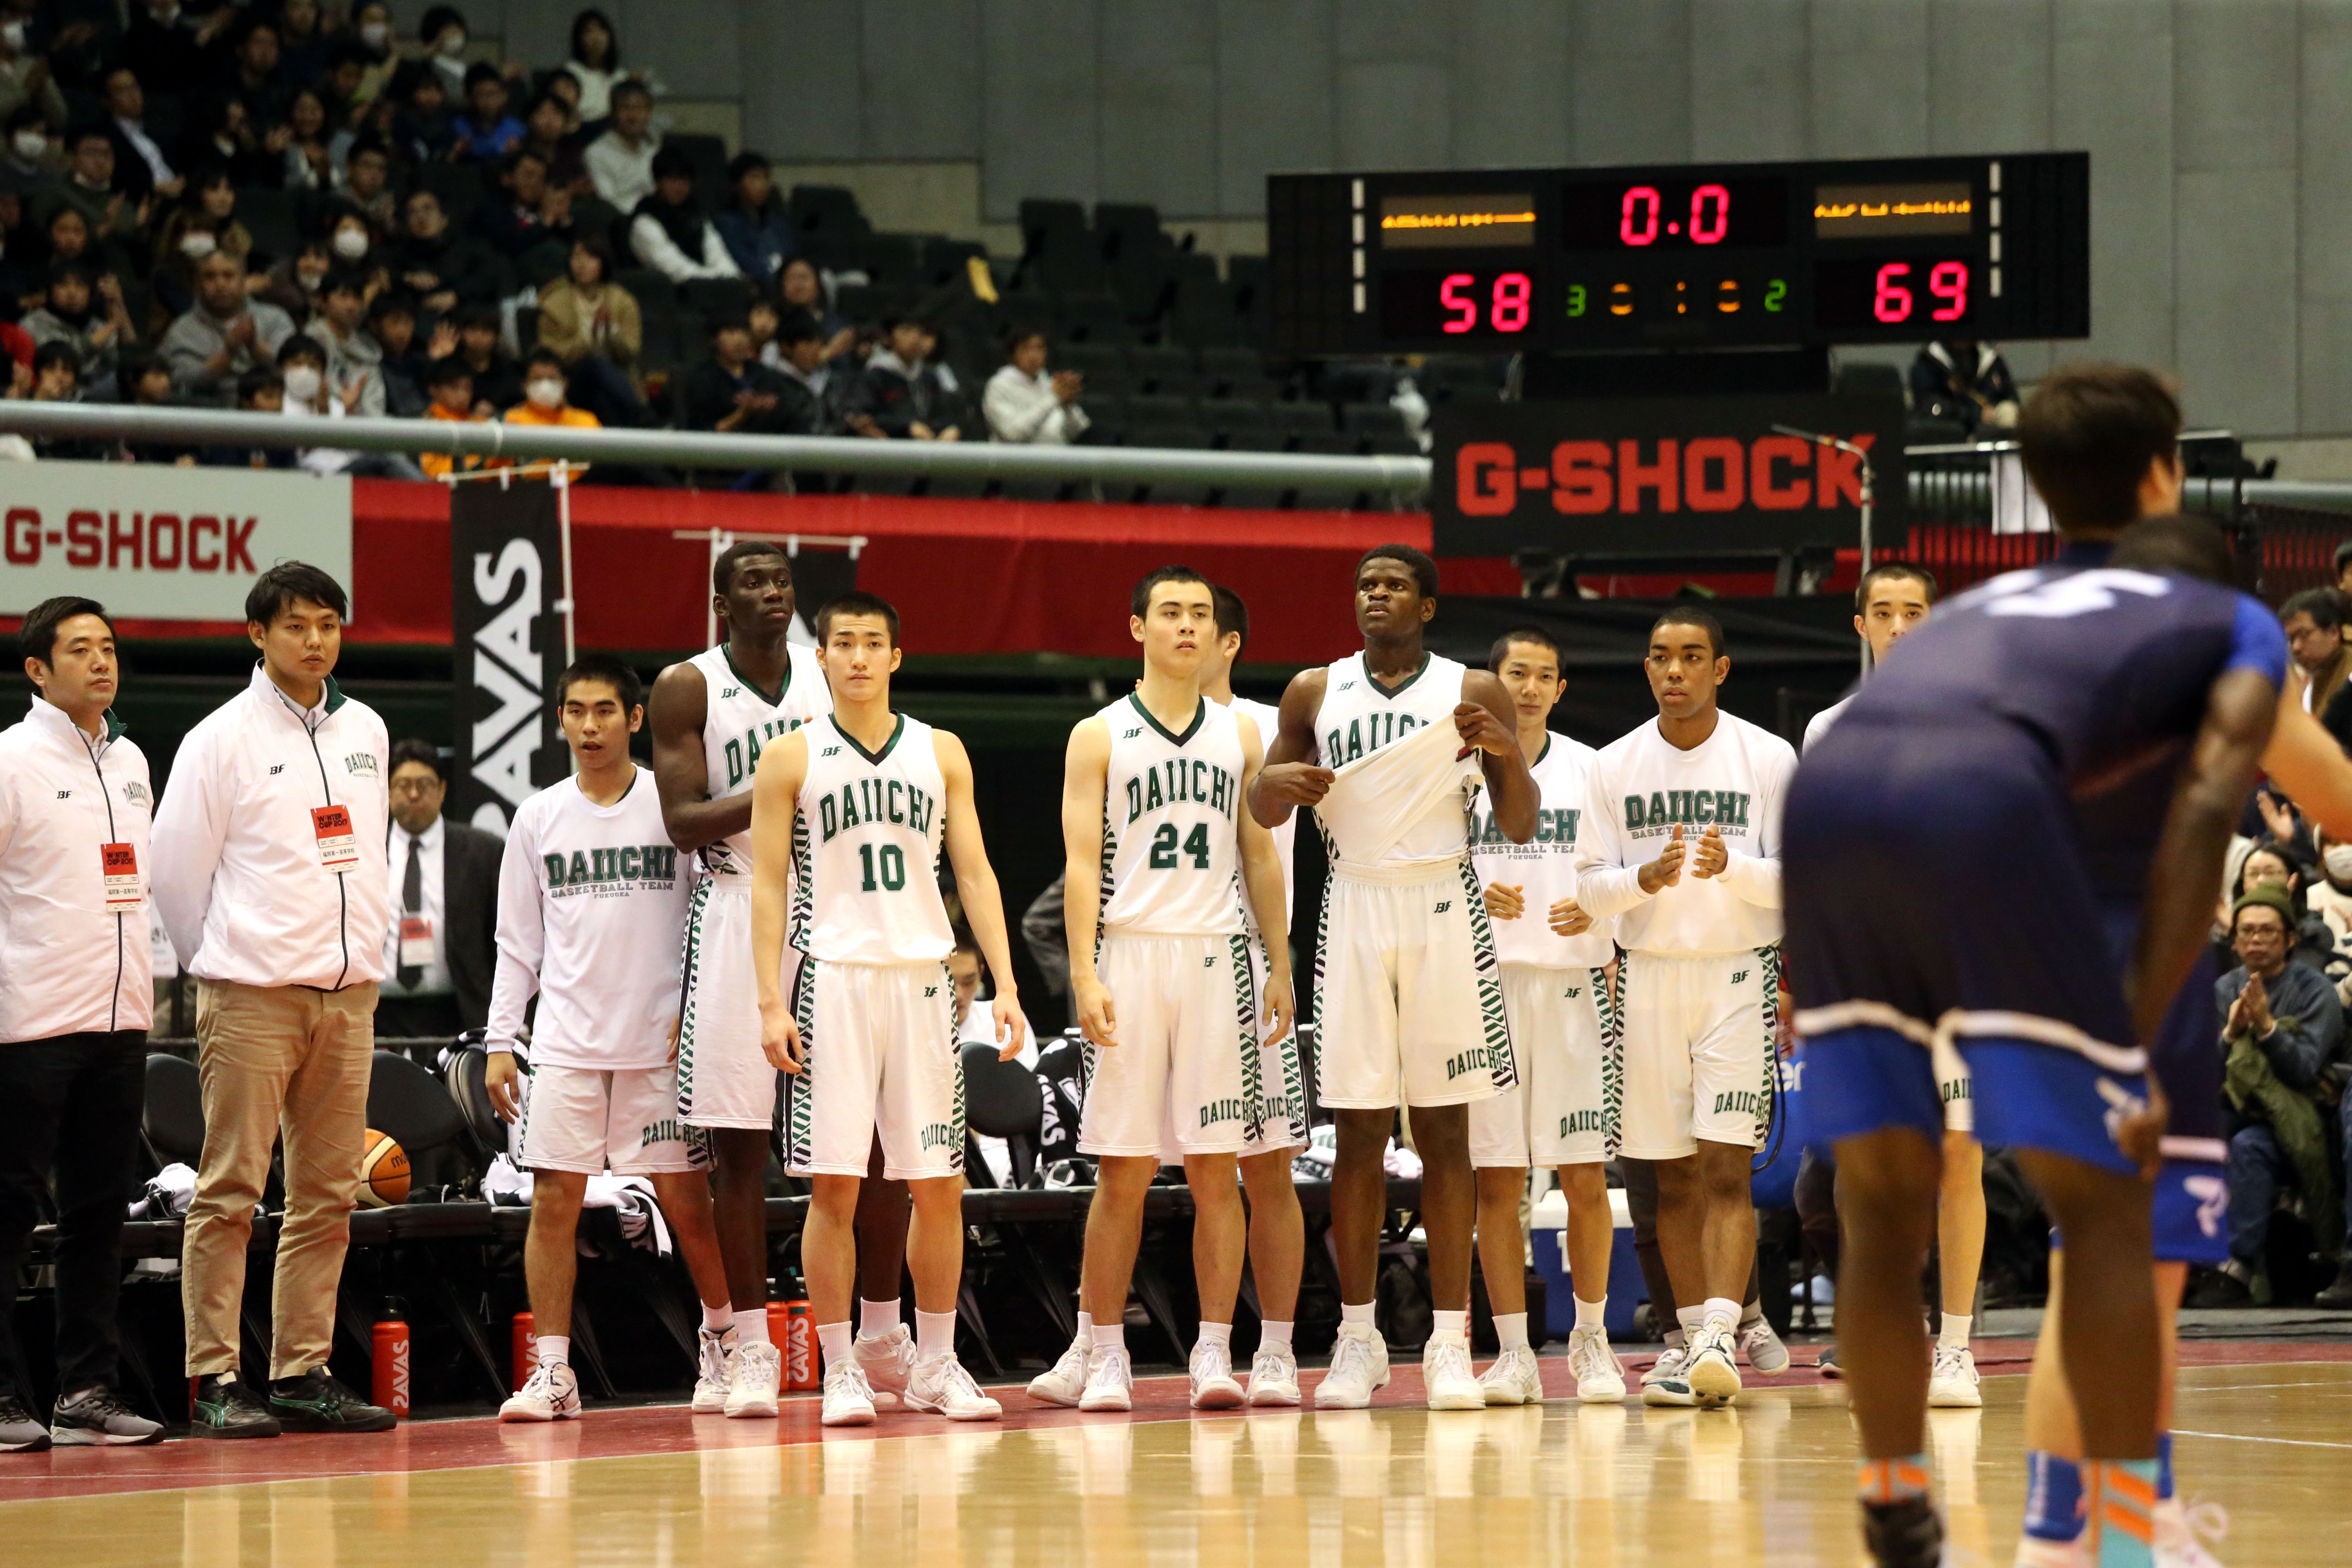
(1767, 1483)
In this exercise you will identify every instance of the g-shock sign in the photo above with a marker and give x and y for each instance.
(1630, 474)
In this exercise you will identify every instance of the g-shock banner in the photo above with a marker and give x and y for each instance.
(1661, 474)
(506, 575)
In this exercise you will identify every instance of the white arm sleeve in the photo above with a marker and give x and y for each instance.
(655, 248)
(522, 932)
(190, 829)
(1756, 879)
(1605, 886)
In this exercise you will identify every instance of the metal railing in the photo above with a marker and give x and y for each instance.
(1403, 478)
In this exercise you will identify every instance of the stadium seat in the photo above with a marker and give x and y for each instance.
(715, 297)
(415, 1110)
(1371, 419)
(1001, 1101)
(652, 291)
(1095, 318)
(174, 1115)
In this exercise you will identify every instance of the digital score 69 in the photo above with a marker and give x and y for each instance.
(1725, 255)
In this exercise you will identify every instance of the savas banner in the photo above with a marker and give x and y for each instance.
(506, 575)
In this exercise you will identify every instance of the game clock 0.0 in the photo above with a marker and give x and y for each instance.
(1735, 255)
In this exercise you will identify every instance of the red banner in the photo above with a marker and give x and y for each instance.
(968, 577)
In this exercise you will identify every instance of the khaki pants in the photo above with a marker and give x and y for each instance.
(275, 1060)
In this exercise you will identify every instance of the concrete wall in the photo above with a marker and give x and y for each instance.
(2221, 131)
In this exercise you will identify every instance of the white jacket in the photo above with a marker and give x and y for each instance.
(1023, 408)
(241, 875)
(68, 965)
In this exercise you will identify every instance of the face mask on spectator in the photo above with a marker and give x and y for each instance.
(375, 34)
(31, 143)
(545, 391)
(195, 244)
(302, 383)
(2340, 862)
(351, 244)
(453, 43)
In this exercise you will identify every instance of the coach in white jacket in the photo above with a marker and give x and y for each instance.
(270, 874)
(74, 1009)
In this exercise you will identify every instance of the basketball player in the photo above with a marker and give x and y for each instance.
(590, 905)
(1409, 1005)
(711, 717)
(2061, 753)
(1278, 1234)
(849, 813)
(1159, 859)
(1891, 600)
(1555, 959)
(1683, 848)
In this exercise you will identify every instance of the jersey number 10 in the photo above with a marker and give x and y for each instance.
(1163, 847)
(894, 867)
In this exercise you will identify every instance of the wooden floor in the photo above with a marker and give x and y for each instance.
(2267, 1430)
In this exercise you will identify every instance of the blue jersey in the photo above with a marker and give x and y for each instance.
(2108, 670)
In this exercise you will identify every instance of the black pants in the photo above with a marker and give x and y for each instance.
(70, 1108)
(418, 1017)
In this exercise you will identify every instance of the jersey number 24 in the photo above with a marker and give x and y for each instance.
(1163, 847)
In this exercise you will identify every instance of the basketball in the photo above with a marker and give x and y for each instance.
(384, 1171)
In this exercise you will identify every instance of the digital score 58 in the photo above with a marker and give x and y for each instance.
(1730, 255)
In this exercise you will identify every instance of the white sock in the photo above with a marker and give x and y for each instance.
(753, 1327)
(719, 1318)
(1589, 1314)
(556, 1349)
(1110, 1336)
(1511, 1329)
(877, 1319)
(934, 1334)
(1085, 1334)
(1273, 1336)
(1455, 1323)
(1361, 1316)
(1693, 1319)
(834, 1340)
(1954, 1336)
(1722, 1307)
(1676, 1340)
(1218, 1334)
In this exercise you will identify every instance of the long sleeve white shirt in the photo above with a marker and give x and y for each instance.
(73, 919)
(1640, 788)
(433, 975)
(623, 175)
(1023, 408)
(251, 876)
(657, 250)
(592, 916)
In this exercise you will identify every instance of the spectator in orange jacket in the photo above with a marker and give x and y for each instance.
(450, 384)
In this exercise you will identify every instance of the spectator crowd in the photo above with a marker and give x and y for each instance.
(434, 235)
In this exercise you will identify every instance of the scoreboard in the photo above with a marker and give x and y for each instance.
(1716, 256)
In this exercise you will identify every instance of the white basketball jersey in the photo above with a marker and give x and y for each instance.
(865, 847)
(1171, 865)
(738, 720)
(1286, 837)
(1359, 716)
(1543, 868)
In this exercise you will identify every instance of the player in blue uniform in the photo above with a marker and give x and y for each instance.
(2059, 755)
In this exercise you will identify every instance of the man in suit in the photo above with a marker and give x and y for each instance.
(440, 947)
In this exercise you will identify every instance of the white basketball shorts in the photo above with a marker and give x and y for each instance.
(879, 1044)
(1694, 1050)
(1560, 1021)
(1281, 1076)
(723, 1076)
(1184, 1074)
(578, 1119)
(1408, 997)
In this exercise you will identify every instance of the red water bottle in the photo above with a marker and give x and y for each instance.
(391, 1363)
(526, 1350)
(798, 1343)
